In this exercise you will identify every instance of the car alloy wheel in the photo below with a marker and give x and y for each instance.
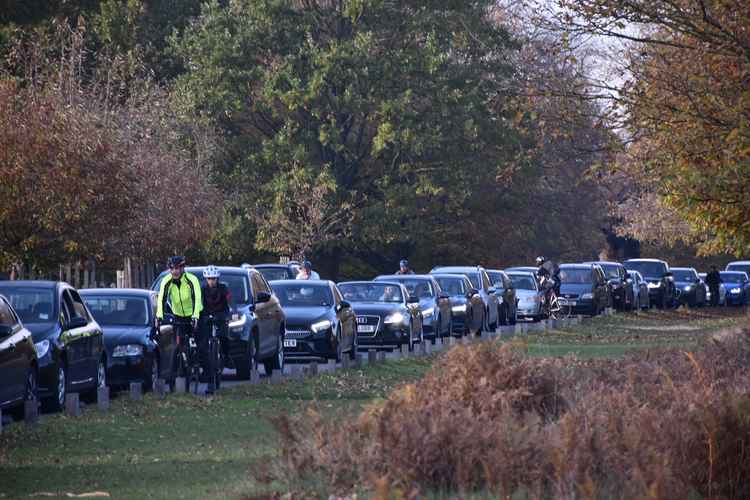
(154, 370)
(280, 354)
(339, 346)
(101, 374)
(61, 386)
(31, 387)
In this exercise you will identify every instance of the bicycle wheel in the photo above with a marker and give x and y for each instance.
(554, 307)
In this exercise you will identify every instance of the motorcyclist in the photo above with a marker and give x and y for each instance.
(217, 300)
(306, 272)
(403, 267)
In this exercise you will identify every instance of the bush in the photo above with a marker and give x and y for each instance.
(661, 425)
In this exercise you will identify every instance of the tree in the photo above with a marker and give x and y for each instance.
(399, 102)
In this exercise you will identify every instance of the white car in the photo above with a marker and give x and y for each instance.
(528, 294)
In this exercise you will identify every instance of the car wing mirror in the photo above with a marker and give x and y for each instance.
(444, 295)
(263, 297)
(412, 299)
(76, 322)
(5, 331)
(343, 305)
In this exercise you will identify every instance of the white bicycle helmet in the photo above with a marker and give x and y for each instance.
(211, 272)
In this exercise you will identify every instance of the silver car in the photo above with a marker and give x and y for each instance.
(640, 291)
(529, 295)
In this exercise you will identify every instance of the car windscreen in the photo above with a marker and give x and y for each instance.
(651, 269)
(33, 305)
(451, 286)
(610, 271)
(416, 287)
(118, 310)
(727, 278)
(744, 268)
(371, 292)
(274, 273)
(633, 276)
(238, 285)
(523, 282)
(303, 294)
(684, 275)
(496, 279)
(573, 276)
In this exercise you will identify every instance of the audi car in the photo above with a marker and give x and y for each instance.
(661, 287)
(481, 283)
(623, 294)
(742, 266)
(387, 315)
(466, 306)
(691, 289)
(506, 296)
(737, 287)
(68, 340)
(435, 303)
(319, 322)
(530, 296)
(257, 323)
(584, 288)
(18, 366)
(136, 352)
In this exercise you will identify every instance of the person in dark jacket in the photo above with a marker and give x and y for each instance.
(713, 280)
(404, 267)
(217, 300)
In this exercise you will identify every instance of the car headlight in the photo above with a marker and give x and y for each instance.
(654, 285)
(42, 348)
(428, 312)
(459, 309)
(320, 326)
(735, 290)
(687, 288)
(395, 318)
(127, 350)
(587, 296)
(238, 321)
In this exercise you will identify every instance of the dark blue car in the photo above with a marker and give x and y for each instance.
(583, 287)
(256, 329)
(737, 287)
(437, 317)
(68, 340)
(135, 351)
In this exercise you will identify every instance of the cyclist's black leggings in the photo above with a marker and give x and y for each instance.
(204, 332)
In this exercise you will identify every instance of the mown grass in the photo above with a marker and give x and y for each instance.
(187, 447)
(182, 447)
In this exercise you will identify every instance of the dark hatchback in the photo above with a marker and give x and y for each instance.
(466, 306)
(481, 283)
(319, 322)
(623, 293)
(435, 303)
(18, 368)
(661, 287)
(69, 342)
(135, 351)
(387, 316)
(690, 288)
(256, 329)
(737, 287)
(584, 288)
(273, 272)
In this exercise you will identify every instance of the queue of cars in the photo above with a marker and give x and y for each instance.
(55, 339)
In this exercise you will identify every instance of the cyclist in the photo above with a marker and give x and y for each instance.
(403, 267)
(217, 299)
(182, 291)
(548, 271)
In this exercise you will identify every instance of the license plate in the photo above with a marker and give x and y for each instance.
(290, 343)
(366, 328)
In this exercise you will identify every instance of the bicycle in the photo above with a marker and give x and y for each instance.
(188, 350)
(215, 366)
(552, 307)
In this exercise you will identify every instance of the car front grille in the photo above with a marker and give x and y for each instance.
(297, 334)
(368, 320)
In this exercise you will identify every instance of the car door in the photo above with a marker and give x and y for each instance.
(477, 305)
(601, 288)
(76, 333)
(492, 301)
(443, 303)
(509, 295)
(265, 314)
(13, 362)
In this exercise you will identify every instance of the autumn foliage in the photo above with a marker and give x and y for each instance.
(490, 418)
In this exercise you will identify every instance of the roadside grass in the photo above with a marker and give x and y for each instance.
(227, 446)
(181, 447)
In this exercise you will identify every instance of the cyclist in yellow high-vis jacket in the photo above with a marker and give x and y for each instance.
(183, 292)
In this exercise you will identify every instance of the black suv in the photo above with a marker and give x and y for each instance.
(18, 370)
(69, 342)
(623, 293)
(661, 287)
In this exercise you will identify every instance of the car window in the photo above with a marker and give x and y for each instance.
(119, 310)
(303, 294)
(496, 279)
(421, 288)
(576, 276)
(258, 285)
(452, 286)
(6, 315)
(75, 305)
(485, 281)
(337, 295)
(371, 292)
(33, 305)
(523, 282)
(647, 268)
(274, 273)
(684, 275)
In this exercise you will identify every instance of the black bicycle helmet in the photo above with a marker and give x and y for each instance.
(176, 261)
